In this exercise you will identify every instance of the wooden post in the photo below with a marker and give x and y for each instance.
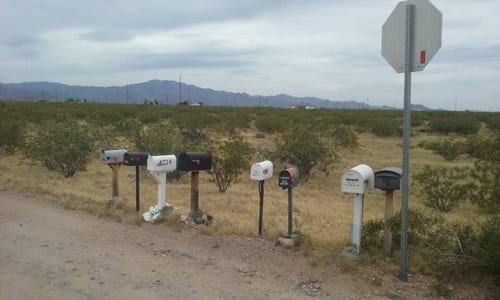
(387, 228)
(195, 180)
(114, 183)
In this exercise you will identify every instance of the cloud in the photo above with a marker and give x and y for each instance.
(321, 48)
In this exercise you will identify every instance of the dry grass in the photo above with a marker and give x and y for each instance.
(320, 209)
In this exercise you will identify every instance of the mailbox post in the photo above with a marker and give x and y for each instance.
(159, 166)
(114, 159)
(388, 180)
(136, 159)
(357, 181)
(288, 179)
(194, 162)
(261, 171)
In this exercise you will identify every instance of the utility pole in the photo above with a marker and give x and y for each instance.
(180, 89)
(127, 92)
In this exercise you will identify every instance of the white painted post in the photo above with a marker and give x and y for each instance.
(357, 222)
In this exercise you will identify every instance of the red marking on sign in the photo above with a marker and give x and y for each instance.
(422, 57)
(196, 161)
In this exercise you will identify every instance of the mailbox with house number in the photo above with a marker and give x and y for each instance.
(162, 163)
(288, 178)
(194, 161)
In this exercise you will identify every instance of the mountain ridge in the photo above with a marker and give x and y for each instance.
(167, 92)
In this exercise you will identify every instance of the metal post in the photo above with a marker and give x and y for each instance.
(261, 205)
(290, 211)
(195, 179)
(410, 9)
(136, 188)
(387, 228)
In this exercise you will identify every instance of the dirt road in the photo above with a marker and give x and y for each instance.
(47, 252)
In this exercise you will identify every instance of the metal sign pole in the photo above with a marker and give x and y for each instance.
(410, 10)
(261, 205)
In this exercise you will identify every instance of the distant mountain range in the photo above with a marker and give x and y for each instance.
(166, 92)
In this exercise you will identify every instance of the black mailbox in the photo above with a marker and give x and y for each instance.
(288, 178)
(135, 158)
(388, 179)
(194, 161)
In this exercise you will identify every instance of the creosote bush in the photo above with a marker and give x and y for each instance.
(306, 148)
(62, 147)
(11, 136)
(229, 159)
(443, 188)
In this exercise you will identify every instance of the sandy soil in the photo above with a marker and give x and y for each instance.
(47, 252)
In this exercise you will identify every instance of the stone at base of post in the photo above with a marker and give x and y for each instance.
(289, 240)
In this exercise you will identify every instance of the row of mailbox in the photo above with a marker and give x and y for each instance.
(188, 161)
(356, 180)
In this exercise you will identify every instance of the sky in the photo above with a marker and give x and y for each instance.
(329, 49)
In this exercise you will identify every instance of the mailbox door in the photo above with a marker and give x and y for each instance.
(387, 181)
(284, 179)
(194, 161)
(113, 156)
(135, 158)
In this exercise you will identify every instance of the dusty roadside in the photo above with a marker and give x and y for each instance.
(47, 252)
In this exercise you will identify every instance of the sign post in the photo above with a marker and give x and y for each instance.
(410, 38)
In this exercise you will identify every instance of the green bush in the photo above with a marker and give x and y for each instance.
(386, 126)
(159, 139)
(461, 123)
(307, 149)
(62, 147)
(485, 191)
(450, 148)
(11, 136)
(443, 188)
(229, 159)
(489, 244)
(344, 136)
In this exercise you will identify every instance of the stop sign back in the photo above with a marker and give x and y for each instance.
(427, 28)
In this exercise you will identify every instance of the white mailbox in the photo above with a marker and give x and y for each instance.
(113, 156)
(162, 163)
(262, 170)
(357, 180)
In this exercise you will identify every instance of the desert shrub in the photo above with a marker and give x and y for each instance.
(62, 147)
(489, 244)
(463, 123)
(271, 124)
(229, 159)
(307, 149)
(372, 235)
(450, 148)
(485, 191)
(344, 136)
(159, 139)
(11, 136)
(443, 188)
(386, 126)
